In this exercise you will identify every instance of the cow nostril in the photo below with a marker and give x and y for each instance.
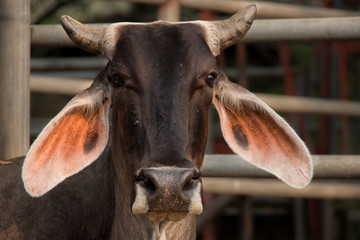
(188, 185)
(143, 179)
(190, 182)
(149, 185)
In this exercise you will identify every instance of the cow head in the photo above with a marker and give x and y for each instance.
(159, 84)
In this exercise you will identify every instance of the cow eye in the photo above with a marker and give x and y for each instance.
(117, 80)
(210, 79)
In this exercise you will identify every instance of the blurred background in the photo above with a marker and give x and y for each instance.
(313, 83)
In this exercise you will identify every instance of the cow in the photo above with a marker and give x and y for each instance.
(122, 160)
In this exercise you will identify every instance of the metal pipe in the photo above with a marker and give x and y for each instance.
(262, 31)
(69, 63)
(169, 11)
(268, 187)
(14, 78)
(265, 9)
(325, 166)
(52, 36)
(292, 104)
(58, 85)
(304, 30)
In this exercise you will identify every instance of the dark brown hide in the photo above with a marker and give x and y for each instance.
(82, 207)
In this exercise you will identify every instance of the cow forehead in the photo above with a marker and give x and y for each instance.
(171, 35)
(161, 53)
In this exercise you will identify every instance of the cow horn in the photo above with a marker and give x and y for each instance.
(89, 39)
(231, 30)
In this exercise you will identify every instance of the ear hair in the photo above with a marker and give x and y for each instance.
(238, 98)
(241, 100)
(87, 108)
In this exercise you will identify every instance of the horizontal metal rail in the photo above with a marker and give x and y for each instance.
(265, 9)
(67, 63)
(325, 166)
(304, 30)
(292, 104)
(262, 31)
(269, 187)
(280, 103)
(52, 36)
(58, 85)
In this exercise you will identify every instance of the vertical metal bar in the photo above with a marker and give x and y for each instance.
(357, 123)
(169, 11)
(354, 48)
(289, 82)
(343, 83)
(299, 219)
(334, 94)
(14, 78)
(247, 232)
(290, 89)
(208, 230)
(315, 219)
(325, 93)
(241, 64)
(327, 219)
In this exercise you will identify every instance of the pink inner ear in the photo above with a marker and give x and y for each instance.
(72, 138)
(263, 138)
(70, 142)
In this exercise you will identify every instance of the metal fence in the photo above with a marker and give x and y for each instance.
(262, 31)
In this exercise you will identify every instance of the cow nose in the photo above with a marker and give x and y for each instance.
(167, 189)
(168, 179)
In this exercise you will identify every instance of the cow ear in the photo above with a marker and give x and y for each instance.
(260, 136)
(70, 142)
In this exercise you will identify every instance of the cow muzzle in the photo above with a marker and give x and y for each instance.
(167, 193)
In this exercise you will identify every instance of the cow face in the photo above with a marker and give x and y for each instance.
(161, 80)
(162, 92)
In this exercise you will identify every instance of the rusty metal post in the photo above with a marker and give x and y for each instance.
(324, 122)
(290, 89)
(241, 59)
(340, 48)
(14, 78)
(299, 219)
(247, 219)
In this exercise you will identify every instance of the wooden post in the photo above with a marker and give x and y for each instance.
(14, 78)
